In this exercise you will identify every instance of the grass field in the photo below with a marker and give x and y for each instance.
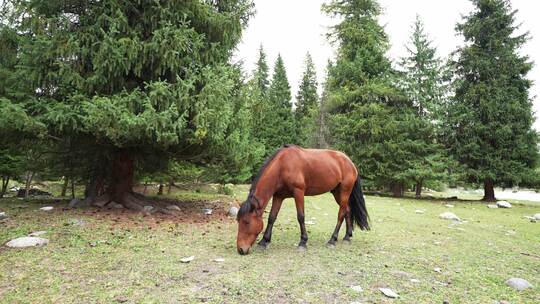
(119, 256)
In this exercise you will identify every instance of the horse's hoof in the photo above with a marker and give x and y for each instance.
(347, 241)
(302, 248)
(331, 245)
(262, 246)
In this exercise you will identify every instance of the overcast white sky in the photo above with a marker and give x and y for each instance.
(294, 27)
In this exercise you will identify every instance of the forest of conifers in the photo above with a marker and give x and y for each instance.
(108, 94)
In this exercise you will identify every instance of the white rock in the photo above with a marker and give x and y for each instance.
(419, 211)
(187, 259)
(233, 211)
(357, 288)
(47, 208)
(449, 206)
(449, 216)
(174, 208)
(219, 260)
(492, 206)
(389, 293)
(537, 216)
(37, 233)
(207, 211)
(27, 241)
(148, 208)
(504, 204)
(437, 269)
(310, 223)
(415, 281)
(518, 284)
(115, 205)
(3, 215)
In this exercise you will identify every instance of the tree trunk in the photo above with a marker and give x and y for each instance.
(396, 189)
(418, 189)
(122, 176)
(171, 183)
(5, 183)
(72, 188)
(489, 192)
(160, 189)
(29, 177)
(64, 186)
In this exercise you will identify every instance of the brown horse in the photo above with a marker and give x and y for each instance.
(295, 172)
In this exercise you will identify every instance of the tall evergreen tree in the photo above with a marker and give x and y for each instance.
(307, 102)
(372, 120)
(491, 117)
(128, 82)
(280, 115)
(423, 83)
(261, 74)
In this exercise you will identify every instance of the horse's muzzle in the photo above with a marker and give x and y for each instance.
(242, 251)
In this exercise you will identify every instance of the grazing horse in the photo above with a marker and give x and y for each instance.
(295, 172)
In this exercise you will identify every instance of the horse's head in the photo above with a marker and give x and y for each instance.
(250, 224)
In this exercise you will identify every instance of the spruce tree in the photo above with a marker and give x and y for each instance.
(490, 119)
(423, 83)
(280, 128)
(129, 83)
(307, 101)
(371, 119)
(261, 73)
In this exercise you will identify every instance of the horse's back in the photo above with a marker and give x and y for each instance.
(317, 170)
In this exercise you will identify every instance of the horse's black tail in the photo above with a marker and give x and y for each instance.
(357, 204)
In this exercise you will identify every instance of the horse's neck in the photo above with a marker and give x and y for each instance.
(266, 185)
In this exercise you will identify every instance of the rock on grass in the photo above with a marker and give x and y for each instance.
(504, 204)
(357, 288)
(389, 293)
(3, 215)
(518, 284)
(449, 216)
(27, 241)
(187, 259)
(537, 216)
(47, 208)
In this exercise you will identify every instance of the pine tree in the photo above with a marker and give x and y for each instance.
(423, 83)
(261, 74)
(490, 120)
(127, 82)
(307, 102)
(280, 127)
(371, 120)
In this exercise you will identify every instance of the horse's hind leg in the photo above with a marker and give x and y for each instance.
(299, 200)
(344, 213)
(276, 205)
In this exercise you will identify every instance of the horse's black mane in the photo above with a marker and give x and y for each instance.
(246, 205)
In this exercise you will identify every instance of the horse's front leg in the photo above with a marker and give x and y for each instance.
(299, 200)
(267, 237)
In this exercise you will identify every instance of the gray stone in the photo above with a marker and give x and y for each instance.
(389, 293)
(504, 204)
(233, 211)
(449, 206)
(187, 259)
(492, 206)
(449, 216)
(37, 233)
(537, 216)
(207, 211)
(27, 241)
(47, 208)
(357, 288)
(174, 208)
(75, 222)
(518, 284)
(148, 208)
(419, 211)
(3, 215)
(116, 205)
